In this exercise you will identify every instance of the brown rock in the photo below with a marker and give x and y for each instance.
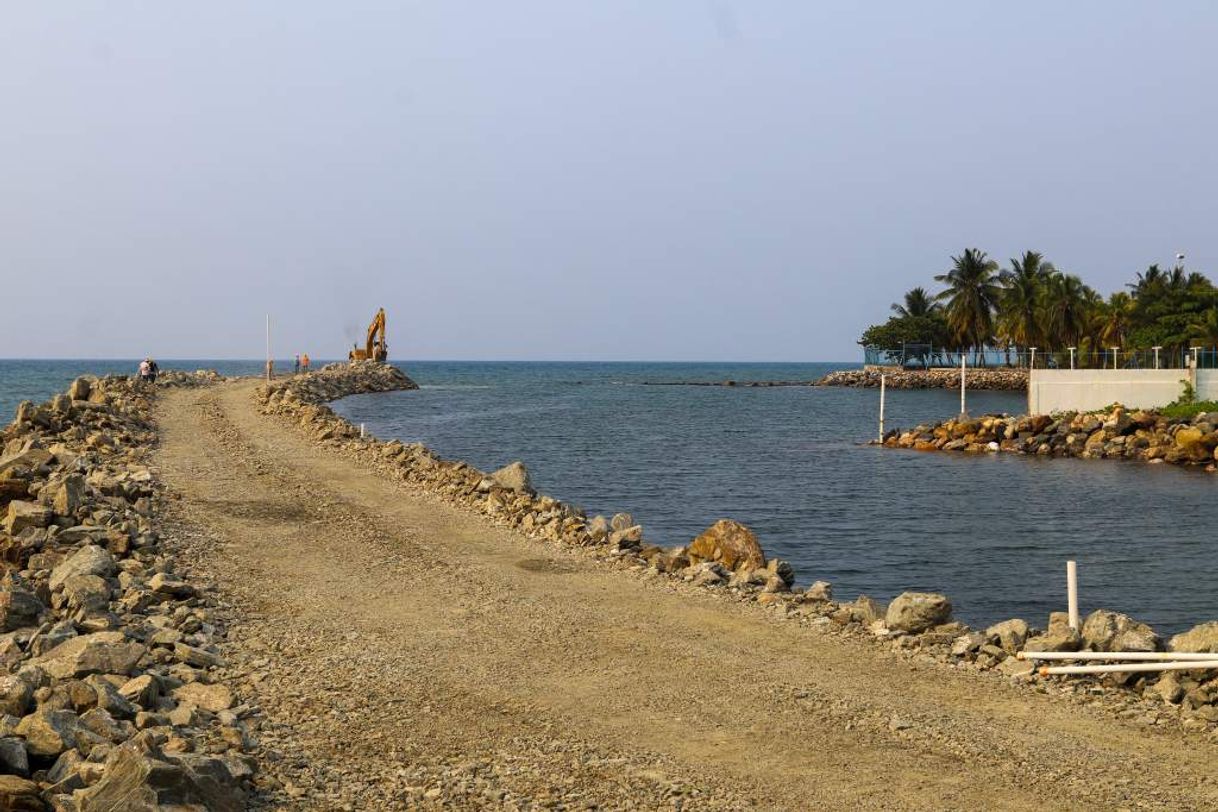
(97, 653)
(20, 795)
(915, 612)
(728, 543)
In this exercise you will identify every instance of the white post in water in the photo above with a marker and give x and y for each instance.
(883, 379)
(361, 431)
(1156, 349)
(1072, 593)
(963, 411)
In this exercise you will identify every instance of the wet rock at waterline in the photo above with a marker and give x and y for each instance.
(728, 543)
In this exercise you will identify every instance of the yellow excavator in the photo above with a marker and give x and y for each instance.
(376, 347)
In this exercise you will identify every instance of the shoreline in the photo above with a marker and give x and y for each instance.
(1115, 433)
(507, 498)
(97, 576)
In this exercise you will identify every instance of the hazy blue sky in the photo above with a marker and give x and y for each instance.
(695, 179)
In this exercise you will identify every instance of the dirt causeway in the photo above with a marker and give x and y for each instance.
(406, 654)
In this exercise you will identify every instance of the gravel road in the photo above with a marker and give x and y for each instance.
(405, 654)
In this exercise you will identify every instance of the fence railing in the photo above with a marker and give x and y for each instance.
(927, 356)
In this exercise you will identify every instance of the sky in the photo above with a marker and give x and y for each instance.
(548, 180)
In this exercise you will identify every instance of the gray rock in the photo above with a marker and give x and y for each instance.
(514, 477)
(165, 584)
(13, 757)
(97, 653)
(598, 529)
(88, 592)
(1010, 634)
(621, 521)
(15, 694)
(88, 560)
(1203, 637)
(915, 612)
(1112, 631)
(80, 389)
(142, 779)
(26, 514)
(820, 592)
(18, 607)
(48, 732)
(214, 698)
(968, 643)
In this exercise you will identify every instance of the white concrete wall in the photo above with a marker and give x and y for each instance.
(1207, 384)
(1056, 390)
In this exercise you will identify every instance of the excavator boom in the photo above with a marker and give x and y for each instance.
(375, 346)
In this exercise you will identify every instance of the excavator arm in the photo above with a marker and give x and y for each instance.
(375, 346)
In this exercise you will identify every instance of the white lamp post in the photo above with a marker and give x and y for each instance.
(1072, 349)
(1032, 359)
(1156, 349)
(1115, 351)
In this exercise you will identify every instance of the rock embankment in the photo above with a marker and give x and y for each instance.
(112, 694)
(728, 559)
(975, 378)
(1112, 434)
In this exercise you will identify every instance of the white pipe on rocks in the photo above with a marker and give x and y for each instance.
(1117, 655)
(1072, 593)
(1187, 665)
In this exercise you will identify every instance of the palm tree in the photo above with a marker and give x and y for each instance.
(918, 303)
(1153, 278)
(1065, 308)
(971, 295)
(1205, 328)
(1116, 316)
(1019, 318)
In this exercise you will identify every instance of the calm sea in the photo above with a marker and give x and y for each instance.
(993, 532)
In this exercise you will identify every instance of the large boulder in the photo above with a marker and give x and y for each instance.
(514, 477)
(97, 653)
(143, 779)
(915, 612)
(23, 514)
(1203, 637)
(1112, 631)
(728, 543)
(88, 560)
(48, 732)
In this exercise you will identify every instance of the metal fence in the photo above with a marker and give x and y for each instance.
(927, 356)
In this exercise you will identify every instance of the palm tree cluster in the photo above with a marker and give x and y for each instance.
(1030, 303)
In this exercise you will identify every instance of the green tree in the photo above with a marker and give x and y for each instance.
(917, 303)
(1019, 312)
(971, 295)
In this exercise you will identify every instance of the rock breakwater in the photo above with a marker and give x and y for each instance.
(1115, 433)
(112, 693)
(727, 559)
(975, 378)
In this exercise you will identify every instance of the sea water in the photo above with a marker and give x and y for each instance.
(991, 531)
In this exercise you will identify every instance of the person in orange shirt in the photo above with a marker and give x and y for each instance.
(304, 362)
